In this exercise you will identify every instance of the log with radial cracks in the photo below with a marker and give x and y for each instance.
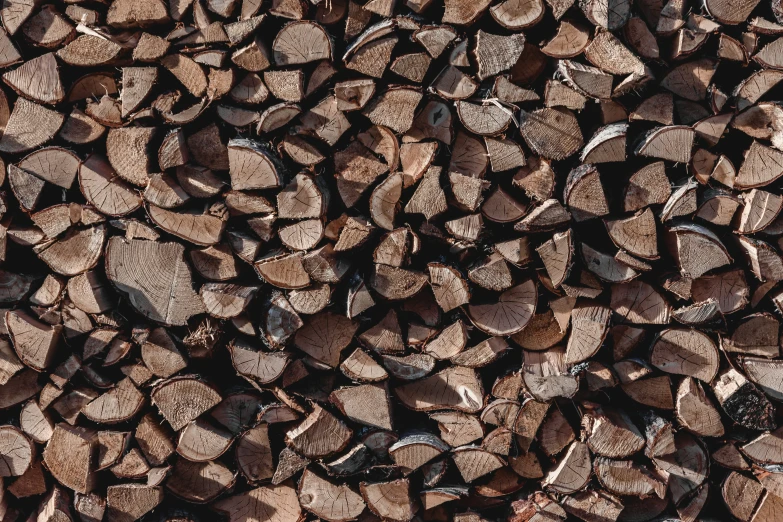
(388, 259)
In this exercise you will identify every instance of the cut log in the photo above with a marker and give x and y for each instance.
(181, 400)
(69, 457)
(34, 342)
(173, 304)
(742, 401)
(327, 500)
(278, 503)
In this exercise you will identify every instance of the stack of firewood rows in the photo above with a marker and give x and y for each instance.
(400, 260)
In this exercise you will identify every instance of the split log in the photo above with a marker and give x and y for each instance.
(177, 304)
(424, 178)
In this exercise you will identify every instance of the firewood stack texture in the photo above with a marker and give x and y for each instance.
(402, 260)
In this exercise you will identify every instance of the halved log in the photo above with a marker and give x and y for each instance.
(79, 128)
(607, 145)
(762, 372)
(182, 399)
(366, 404)
(639, 303)
(301, 42)
(697, 250)
(512, 311)
(153, 440)
(102, 188)
(584, 194)
(685, 352)
(414, 450)
(258, 503)
(359, 366)
(569, 41)
(690, 79)
(264, 367)
(748, 91)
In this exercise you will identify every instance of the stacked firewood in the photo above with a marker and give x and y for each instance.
(397, 260)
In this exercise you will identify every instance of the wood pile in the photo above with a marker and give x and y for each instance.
(396, 260)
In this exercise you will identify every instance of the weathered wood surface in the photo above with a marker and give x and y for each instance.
(391, 260)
